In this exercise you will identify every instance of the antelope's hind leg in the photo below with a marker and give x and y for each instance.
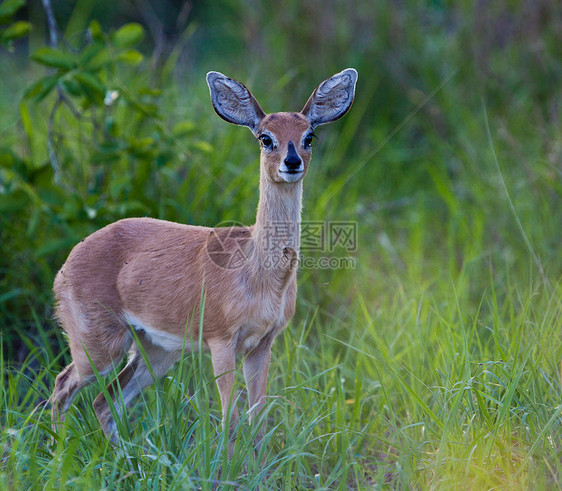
(90, 346)
(76, 376)
(131, 381)
(67, 385)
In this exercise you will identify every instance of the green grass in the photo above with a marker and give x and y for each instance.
(425, 391)
(434, 364)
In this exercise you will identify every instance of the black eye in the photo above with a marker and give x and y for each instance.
(266, 140)
(308, 140)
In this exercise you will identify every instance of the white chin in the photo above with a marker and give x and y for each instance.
(285, 176)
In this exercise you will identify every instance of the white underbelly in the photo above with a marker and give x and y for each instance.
(163, 339)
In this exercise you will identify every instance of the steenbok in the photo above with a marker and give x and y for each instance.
(148, 276)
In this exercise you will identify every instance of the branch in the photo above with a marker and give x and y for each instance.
(54, 38)
(50, 146)
(156, 28)
(52, 23)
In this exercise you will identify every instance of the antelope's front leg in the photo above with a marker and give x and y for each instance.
(256, 367)
(223, 355)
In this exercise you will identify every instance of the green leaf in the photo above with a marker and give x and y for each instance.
(95, 31)
(54, 58)
(15, 165)
(16, 31)
(203, 146)
(7, 159)
(72, 87)
(41, 177)
(150, 91)
(33, 222)
(91, 85)
(26, 120)
(94, 57)
(40, 89)
(127, 36)
(91, 80)
(8, 8)
(130, 57)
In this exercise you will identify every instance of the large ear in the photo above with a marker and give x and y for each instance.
(233, 101)
(331, 99)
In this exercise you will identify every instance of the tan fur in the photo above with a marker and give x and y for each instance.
(148, 275)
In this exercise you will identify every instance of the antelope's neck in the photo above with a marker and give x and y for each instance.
(278, 221)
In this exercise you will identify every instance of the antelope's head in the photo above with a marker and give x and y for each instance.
(285, 137)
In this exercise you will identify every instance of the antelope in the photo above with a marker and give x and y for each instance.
(231, 288)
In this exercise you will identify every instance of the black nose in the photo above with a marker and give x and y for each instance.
(292, 160)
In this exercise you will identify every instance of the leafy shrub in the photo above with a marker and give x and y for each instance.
(109, 155)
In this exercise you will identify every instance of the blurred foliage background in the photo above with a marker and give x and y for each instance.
(450, 159)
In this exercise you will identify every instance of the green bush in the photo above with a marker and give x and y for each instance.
(105, 151)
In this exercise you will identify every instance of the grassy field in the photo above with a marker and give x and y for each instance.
(431, 361)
